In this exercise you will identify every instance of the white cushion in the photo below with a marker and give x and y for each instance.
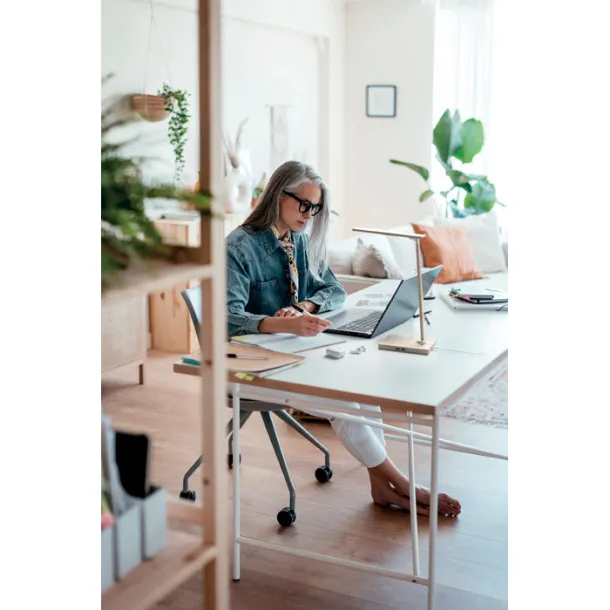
(341, 256)
(484, 236)
(404, 249)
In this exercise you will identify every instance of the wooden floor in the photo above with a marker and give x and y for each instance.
(336, 518)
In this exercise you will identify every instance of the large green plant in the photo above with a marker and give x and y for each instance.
(128, 235)
(457, 144)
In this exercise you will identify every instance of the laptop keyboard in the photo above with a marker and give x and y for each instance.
(363, 325)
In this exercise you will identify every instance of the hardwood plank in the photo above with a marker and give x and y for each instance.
(472, 549)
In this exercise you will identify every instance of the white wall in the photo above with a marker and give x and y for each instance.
(274, 51)
(387, 42)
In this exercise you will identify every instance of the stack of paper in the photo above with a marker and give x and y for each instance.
(288, 343)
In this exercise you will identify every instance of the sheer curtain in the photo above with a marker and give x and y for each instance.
(469, 60)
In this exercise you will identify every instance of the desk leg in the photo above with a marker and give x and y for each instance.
(413, 502)
(236, 497)
(433, 512)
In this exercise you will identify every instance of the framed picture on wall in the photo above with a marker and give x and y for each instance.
(381, 101)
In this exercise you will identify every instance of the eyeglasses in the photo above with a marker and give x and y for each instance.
(304, 205)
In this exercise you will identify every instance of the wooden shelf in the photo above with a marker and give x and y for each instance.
(158, 275)
(152, 580)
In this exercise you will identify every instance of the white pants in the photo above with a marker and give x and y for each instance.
(365, 443)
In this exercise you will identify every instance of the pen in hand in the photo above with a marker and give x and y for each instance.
(299, 308)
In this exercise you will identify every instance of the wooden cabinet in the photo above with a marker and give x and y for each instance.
(177, 231)
(171, 329)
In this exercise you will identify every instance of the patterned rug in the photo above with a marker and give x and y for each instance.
(487, 401)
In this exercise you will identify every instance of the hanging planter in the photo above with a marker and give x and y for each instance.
(151, 108)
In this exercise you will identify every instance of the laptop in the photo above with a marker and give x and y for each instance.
(368, 323)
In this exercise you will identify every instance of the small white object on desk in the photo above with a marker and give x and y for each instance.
(335, 352)
(358, 350)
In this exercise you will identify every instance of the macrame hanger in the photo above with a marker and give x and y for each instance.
(153, 23)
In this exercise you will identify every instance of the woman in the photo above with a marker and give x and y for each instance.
(278, 278)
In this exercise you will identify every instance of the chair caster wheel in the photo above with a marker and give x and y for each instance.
(286, 517)
(188, 495)
(324, 474)
(230, 460)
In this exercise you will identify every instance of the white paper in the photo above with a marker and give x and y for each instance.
(298, 344)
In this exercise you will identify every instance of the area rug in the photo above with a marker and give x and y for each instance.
(486, 402)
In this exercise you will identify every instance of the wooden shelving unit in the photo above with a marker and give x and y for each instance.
(207, 550)
(183, 556)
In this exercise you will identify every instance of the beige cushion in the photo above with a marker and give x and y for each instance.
(370, 260)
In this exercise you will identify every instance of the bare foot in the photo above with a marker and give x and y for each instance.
(446, 504)
(385, 495)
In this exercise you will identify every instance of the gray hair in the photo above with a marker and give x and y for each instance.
(289, 177)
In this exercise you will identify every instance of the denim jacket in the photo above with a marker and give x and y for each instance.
(258, 279)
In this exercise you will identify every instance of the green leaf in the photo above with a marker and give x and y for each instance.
(456, 210)
(481, 199)
(447, 135)
(425, 195)
(457, 177)
(472, 137)
(422, 171)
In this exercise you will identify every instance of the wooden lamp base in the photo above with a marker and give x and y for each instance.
(409, 345)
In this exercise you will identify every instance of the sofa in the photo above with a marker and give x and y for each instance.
(362, 259)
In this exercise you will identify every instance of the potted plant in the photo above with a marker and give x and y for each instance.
(177, 106)
(128, 236)
(457, 143)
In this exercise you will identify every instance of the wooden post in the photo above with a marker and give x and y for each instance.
(213, 327)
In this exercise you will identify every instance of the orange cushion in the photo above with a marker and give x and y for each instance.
(448, 246)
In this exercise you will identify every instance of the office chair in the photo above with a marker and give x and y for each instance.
(287, 516)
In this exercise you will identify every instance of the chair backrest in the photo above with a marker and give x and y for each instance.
(192, 298)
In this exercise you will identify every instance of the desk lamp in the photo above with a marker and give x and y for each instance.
(412, 345)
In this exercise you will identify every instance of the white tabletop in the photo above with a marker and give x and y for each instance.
(468, 343)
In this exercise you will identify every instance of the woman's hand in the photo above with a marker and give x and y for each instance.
(305, 325)
(283, 321)
(286, 312)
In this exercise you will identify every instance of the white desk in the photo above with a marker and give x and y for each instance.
(409, 388)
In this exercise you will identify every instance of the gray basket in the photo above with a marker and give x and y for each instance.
(128, 540)
(107, 558)
(154, 522)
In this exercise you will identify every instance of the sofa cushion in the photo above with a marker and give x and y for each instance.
(448, 246)
(371, 260)
(341, 256)
(483, 233)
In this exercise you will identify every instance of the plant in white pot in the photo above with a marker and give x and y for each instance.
(457, 144)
